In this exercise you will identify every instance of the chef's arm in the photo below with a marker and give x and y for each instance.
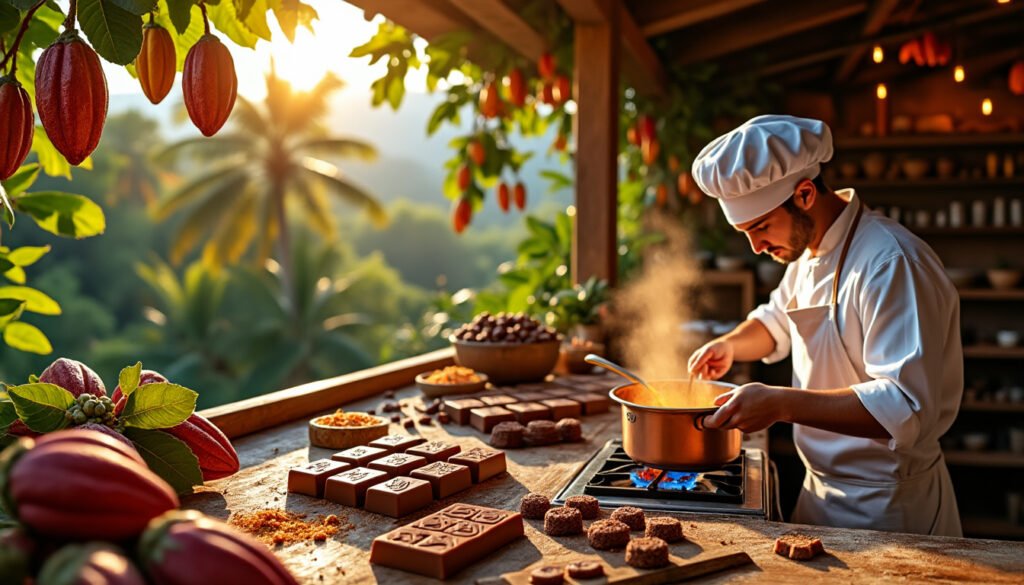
(838, 411)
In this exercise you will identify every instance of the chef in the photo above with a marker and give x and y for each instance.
(870, 319)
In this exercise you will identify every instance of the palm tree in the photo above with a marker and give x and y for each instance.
(269, 160)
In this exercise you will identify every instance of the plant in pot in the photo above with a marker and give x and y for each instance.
(1003, 277)
(576, 311)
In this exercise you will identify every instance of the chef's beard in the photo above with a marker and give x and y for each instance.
(800, 235)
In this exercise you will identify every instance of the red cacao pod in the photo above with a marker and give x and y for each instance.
(185, 547)
(16, 552)
(519, 196)
(503, 197)
(646, 129)
(546, 66)
(156, 63)
(516, 87)
(490, 101)
(561, 91)
(99, 428)
(209, 84)
(86, 436)
(17, 123)
(1017, 78)
(545, 93)
(217, 457)
(464, 177)
(71, 96)
(73, 376)
(145, 377)
(476, 152)
(93, 563)
(101, 490)
(462, 216)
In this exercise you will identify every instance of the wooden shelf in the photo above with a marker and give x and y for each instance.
(928, 141)
(993, 352)
(931, 183)
(969, 231)
(990, 294)
(984, 458)
(991, 406)
(991, 527)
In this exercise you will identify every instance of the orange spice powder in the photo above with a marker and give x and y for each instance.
(278, 527)
(453, 375)
(347, 419)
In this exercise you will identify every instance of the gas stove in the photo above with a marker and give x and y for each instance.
(740, 487)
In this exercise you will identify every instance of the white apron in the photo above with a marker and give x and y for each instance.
(879, 499)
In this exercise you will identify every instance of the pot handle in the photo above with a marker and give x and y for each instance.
(698, 422)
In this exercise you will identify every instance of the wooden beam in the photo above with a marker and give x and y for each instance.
(505, 24)
(759, 25)
(659, 17)
(587, 11)
(426, 18)
(879, 14)
(596, 129)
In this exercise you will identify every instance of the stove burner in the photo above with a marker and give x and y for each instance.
(621, 476)
(659, 479)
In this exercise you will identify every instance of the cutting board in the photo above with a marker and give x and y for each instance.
(678, 570)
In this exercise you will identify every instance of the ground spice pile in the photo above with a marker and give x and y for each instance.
(347, 419)
(277, 527)
(453, 375)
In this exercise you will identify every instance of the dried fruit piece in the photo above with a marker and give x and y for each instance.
(73, 376)
(217, 457)
(16, 126)
(503, 196)
(71, 96)
(519, 196)
(92, 562)
(209, 84)
(156, 62)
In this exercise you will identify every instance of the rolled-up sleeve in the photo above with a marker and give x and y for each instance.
(773, 316)
(910, 321)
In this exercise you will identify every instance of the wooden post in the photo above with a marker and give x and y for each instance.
(596, 130)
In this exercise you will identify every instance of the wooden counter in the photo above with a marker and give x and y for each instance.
(856, 555)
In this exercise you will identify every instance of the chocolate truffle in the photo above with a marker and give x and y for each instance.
(547, 576)
(647, 553)
(507, 435)
(569, 430)
(541, 432)
(665, 528)
(630, 516)
(534, 506)
(587, 505)
(563, 522)
(584, 570)
(397, 464)
(608, 535)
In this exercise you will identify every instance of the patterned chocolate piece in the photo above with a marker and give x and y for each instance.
(309, 479)
(359, 456)
(527, 411)
(497, 399)
(446, 478)
(435, 450)
(483, 463)
(397, 463)
(397, 443)
(349, 488)
(399, 496)
(563, 408)
(459, 409)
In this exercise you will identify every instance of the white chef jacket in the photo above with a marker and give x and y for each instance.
(899, 320)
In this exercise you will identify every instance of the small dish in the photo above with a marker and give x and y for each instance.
(728, 263)
(575, 354)
(331, 437)
(975, 441)
(1003, 278)
(431, 390)
(1007, 338)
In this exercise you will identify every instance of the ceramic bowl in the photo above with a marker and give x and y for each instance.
(915, 168)
(728, 263)
(961, 277)
(344, 437)
(508, 363)
(431, 390)
(975, 441)
(1007, 338)
(1003, 278)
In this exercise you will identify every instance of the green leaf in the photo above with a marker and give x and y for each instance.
(16, 275)
(27, 255)
(168, 457)
(180, 12)
(10, 310)
(8, 414)
(114, 32)
(27, 338)
(22, 4)
(139, 7)
(183, 39)
(9, 18)
(51, 160)
(254, 14)
(22, 179)
(35, 301)
(63, 214)
(129, 378)
(5, 207)
(41, 406)
(158, 406)
(224, 18)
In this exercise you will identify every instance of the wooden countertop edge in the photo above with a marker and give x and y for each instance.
(263, 412)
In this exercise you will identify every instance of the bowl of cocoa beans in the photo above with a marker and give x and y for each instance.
(510, 348)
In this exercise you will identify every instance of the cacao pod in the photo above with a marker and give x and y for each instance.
(16, 552)
(465, 177)
(185, 547)
(1017, 78)
(463, 214)
(156, 63)
(661, 195)
(516, 87)
(73, 376)
(490, 101)
(561, 92)
(71, 96)
(92, 563)
(101, 491)
(209, 84)
(519, 195)
(100, 428)
(546, 66)
(217, 457)
(17, 123)
(145, 377)
(84, 436)
(650, 149)
(545, 93)
(503, 196)
(476, 152)
(646, 129)
(631, 135)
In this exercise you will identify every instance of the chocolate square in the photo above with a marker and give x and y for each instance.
(530, 396)
(445, 478)
(482, 463)
(397, 463)
(563, 408)
(399, 496)
(459, 409)
(309, 478)
(527, 411)
(349, 488)
(560, 392)
(484, 419)
(534, 387)
(359, 456)
(396, 443)
(435, 450)
(497, 399)
(593, 403)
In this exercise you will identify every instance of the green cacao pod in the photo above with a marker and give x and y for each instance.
(156, 62)
(16, 126)
(73, 376)
(209, 84)
(217, 457)
(81, 485)
(93, 563)
(71, 96)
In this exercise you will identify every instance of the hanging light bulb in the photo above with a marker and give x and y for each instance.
(877, 55)
(1002, 1)
(986, 107)
(958, 73)
(881, 91)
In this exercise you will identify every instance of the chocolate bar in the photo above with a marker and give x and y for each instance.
(527, 411)
(435, 450)
(593, 403)
(359, 456)
(529, 396)
(563, 408)
(459, 409)
(445, 478)
(397, 464)
(396, 443)
(559, 392)
(484, 419)
(399, 496)
(349, 488)
(497, 399)
(442, 544)
(482, 463)
(309, 479)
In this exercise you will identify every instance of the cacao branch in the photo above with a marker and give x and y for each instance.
(12, 54)
(206, 21)
(69, 22)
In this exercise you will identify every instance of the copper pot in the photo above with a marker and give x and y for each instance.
(665, 429)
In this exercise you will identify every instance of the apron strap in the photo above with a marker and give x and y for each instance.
(842, 255)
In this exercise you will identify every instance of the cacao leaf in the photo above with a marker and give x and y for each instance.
(41, 406)
(180, 12)
(185, 38)
(114, 32)
(287, 13)
(158, 406)
(254, 16)
(10, 310)
(6, 264)
(22, 4)
(27, 255)
(63, 214)
(8, 414)
(129, 378)
(52, 162)
(9, 18)
(15, 275)
(139, 7)
(168, 457)
(36, 301)
(22, 179)
(28, 338)
(224, 18)
(5, 207)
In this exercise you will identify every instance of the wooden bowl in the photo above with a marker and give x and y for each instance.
(508, 363)
(344, 437)
(434, 390)
(1003, 278)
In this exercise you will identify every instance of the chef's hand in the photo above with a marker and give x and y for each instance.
(750, 408)
(712, 360)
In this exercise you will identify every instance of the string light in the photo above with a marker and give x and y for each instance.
(1002, 1)
(986, 107)
(881, 91)
(958, 73)
(877, 55)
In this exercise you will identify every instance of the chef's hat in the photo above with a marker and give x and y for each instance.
(755, 168)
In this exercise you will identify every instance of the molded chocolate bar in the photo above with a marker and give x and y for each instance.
(497, 399)
(399, 496)
(483, 463)
(349, 488)
(398, 463)
(435, 450)
(359, 456)
(459, 409)
(484, 419)
(593, 403)
(563, 408)
(445, 478)
(527, 411)
(309, 479)
(530, 396)
(442, 544)
(396, 443)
